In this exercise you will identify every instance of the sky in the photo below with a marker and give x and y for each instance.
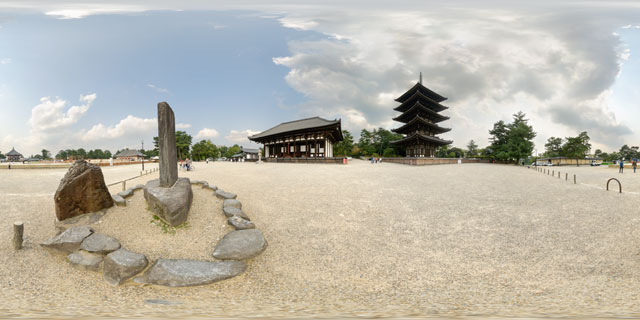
(89, 74)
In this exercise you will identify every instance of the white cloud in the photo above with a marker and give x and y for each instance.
(5, 60)
(207, 133)
(128, 127)
(183, 126)
(240, 136)
(158, 89)
(82, 10)
(50, 114)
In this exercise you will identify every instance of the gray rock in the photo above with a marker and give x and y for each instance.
(200, 182)
(69, 240)
(82, 190)
(79, 221)
(231, 211)
(240, 245)
(127, 193)
(119, 200)
(121, 265)
(84, 260)
(167, 146)
(138, 187)
(240, 224)
(225, 195)
(210, 187)
(183, 273)
(170, 204)
(205, 185)
(232, 203)
(100, 244)
(160, 301)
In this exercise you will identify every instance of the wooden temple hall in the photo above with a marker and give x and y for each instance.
(311, 138)
(420, 114)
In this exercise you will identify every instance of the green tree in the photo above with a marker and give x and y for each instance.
(107, 154)
(455, 152)
(223, 151)
(513, 141)
(61, 155)
(203, 150)
(183, 143)
(81, 153)
(577, 147)
(598, 153)
(472, 149)
(2, 156)
(45, 154)
(443, 151)
(344, 147)
(627, 152)
(232, 150)
(553, 147)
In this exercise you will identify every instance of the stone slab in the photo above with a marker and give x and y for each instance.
(100, 244)
(126, 193)
(232, 203)
(170, 204)
(69, 240)
(240, 224)
(225, 195)
(119, 200)
(240, 245)
(121, 265)
(84, 260)
(232, 211)
(183, 273)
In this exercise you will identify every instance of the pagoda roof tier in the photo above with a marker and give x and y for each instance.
(426, 91)
(333, 127)
(420, 137)
(410, 114)
(417, 121)
(420, 97)
(13, 152)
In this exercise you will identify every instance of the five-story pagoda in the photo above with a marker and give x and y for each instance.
(420, 109)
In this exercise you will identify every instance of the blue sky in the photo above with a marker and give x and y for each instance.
(89, 74)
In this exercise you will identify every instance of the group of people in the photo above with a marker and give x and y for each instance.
(186, 164)
(375, 160)
(634, 165)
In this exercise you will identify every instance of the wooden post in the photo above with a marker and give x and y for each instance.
(566, 177)
(124, 185)
(18, 232)
(574, 179)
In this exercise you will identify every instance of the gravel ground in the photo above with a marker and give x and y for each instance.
(356, 240)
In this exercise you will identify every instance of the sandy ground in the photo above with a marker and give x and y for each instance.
(361, 240)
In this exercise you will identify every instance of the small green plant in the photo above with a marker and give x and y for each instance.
(165, 227)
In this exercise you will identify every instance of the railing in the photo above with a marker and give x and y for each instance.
(616, 180)
(124, 182)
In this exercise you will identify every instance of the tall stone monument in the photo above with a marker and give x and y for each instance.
(167, 145)
(169, 197)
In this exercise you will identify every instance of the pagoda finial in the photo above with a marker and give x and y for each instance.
(420, 78)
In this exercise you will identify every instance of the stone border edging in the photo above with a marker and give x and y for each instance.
(87, 250)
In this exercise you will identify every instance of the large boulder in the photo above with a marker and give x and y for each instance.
(183, 273)
(170, 204)
(121, 265)
(240, 245)
(100, 244)
(82, 190)
(69, 240)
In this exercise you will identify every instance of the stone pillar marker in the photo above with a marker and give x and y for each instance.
(167, 145)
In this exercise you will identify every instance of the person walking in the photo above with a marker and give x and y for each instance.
(621, 170)
(635, 164)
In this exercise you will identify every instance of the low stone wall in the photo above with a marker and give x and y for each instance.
(432, 161)
(305, 160)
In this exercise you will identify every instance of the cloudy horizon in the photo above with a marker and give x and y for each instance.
(90, 74)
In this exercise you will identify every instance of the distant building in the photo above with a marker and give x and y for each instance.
(420, 109)
(564, 161)
(13, 155)
(312, 138)
(246, 154)
(129, 155)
